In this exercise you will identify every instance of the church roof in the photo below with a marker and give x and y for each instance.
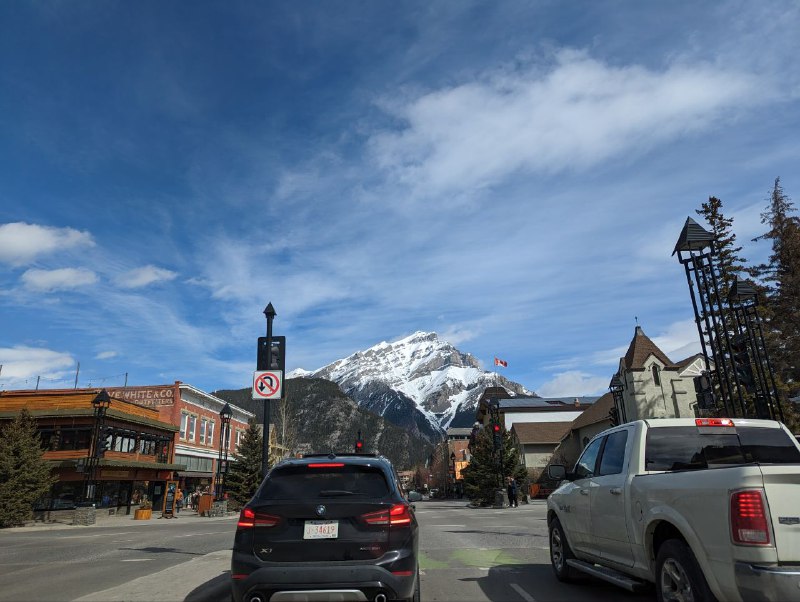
(640, 349)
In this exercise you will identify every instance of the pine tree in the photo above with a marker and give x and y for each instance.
(481, 477)
(244, 475)
(780, 278)
(24, 475)
(728, 261)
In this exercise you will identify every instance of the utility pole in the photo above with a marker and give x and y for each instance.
(270, 313)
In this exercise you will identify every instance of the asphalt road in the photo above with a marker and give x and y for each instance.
(469, 555)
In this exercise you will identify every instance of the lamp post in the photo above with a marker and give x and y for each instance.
(616, 389)
(270, 313)
(453, 464)
(100, 405)
(224, 442)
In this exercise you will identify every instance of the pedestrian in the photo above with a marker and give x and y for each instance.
(178, 500)
(512, 493)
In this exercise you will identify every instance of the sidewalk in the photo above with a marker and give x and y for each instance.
(103, 519)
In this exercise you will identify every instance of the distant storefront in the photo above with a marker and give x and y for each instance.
(138, 456)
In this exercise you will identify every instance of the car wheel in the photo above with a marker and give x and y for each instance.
(678, 576)
(560, 552)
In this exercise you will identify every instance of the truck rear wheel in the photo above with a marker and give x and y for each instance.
(678, 576)
(560, 552)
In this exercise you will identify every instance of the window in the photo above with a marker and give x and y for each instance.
(239, 434)
(586, 463)
(210, 437)
(184, 421)
(190, 431)
(689, 448)
(613, 453)
(203, 430)
(656, 376)
(301, 482)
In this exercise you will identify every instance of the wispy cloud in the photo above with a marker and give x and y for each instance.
(60, 279)
(106, 355)
(22, 243)
(572, 115)
(144, 276)
(22, 363)
(573, 382)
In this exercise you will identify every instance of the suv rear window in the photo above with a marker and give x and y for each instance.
(688, 448)
(303, 482)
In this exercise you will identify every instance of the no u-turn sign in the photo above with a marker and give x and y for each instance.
(268, 384)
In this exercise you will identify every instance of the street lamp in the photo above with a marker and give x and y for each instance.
(453, 463)
(224, 441)
(616, 389)
(100, 405)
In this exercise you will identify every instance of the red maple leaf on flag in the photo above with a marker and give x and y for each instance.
(499, 362)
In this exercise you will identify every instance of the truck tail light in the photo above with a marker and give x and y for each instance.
(749, 522)
(713, 422)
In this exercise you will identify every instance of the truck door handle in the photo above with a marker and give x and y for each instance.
(584, 492)
(615, 490)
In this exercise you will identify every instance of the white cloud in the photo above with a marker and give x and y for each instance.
(106, 355)
(21, 243)
(23, 362)
(144, 276)
(572, 116)
(61, 279)
(574, 382)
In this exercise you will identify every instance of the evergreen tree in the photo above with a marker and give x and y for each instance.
(780, 278)
(481, 477)
(24, 475)
(244, 476)
(728, 261)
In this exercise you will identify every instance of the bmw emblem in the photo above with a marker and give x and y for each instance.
(320, 510)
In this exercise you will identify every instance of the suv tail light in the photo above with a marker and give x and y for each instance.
(749, 524)
(395, 516)
(248, 519)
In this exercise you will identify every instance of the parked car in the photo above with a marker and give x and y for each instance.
(327, 527)
(705, 509)
(414, 496)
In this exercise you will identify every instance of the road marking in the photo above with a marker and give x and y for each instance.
(525, 595)
(461, 526)
(137, 559)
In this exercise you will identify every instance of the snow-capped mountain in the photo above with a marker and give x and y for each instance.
(420, 382)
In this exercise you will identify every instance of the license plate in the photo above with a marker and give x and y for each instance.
(321, 529)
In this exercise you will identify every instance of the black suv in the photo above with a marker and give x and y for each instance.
(327, 527)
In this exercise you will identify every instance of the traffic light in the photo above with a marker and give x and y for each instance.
(705, 391)
(274, 359)
(359, 443)
(741, 361)
(496, 436)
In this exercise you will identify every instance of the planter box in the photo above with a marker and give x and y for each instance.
(141, 514)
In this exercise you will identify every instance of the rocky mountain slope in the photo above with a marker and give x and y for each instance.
(420, 383)
(317, 417)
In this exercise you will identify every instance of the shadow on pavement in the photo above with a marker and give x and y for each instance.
(152, 550)
(217, 589)
(513, 582)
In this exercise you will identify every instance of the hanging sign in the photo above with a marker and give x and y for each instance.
(268, 384)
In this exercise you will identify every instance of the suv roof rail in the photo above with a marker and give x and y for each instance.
(336, 454)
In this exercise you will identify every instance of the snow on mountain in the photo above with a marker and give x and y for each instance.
(419, 382)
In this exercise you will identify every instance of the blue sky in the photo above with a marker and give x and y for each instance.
(511, 175)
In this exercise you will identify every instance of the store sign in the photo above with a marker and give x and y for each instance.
(115, 474)
(150, 397)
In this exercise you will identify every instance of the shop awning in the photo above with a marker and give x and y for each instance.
(196, 475)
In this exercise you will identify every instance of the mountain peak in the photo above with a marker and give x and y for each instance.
(418, 378)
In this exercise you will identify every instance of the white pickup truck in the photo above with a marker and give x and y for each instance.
(706, 509)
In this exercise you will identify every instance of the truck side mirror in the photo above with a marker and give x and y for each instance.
(557, 472)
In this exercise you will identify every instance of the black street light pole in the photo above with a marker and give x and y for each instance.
(453, 462)
(224, 443)
(100, 403)
(269, 311)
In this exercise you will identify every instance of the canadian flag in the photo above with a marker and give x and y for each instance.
(499, 362)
